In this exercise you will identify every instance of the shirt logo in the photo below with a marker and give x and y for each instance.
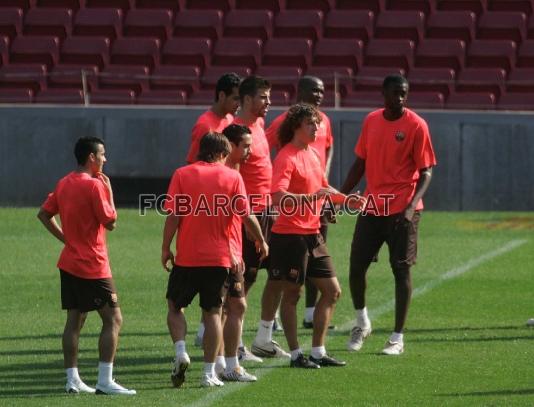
(237, 287)
(400, 136)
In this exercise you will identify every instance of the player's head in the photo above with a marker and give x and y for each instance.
(310, 89)
(241, 141)
(255, 93)
(213, 147)
(301, 121)
(395, 90)
(227, 92)
(90, 153)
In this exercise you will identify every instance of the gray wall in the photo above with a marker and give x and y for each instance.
(485, 160)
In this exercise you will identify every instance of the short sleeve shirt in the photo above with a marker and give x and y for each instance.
(206, 123)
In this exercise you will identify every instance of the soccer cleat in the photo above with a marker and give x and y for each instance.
(326, 361)
(245, 355)
(77, 386)
(179, 367)
(210, 381)
(114, 388)
(269, 350)
(303, 362)
(530, 322)
(357, 336)
(393, 348)
(309, 325)
(238, 374)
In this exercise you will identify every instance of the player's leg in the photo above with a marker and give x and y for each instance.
(70, 341)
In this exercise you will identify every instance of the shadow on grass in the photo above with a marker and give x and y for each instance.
(57, 335)
(503, 392)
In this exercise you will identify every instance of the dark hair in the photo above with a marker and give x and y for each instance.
(226, 84)
(84, 147)
(235, 132)
(394, 80)
(211, 146)
(251, 85)
(293, 120)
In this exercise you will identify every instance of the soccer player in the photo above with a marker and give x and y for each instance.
(84, 201)
(202, 199)
(310, 89)
(395, 153)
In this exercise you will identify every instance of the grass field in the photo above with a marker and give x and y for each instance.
(466, 342)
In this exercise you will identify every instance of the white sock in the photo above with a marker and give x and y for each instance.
(105, 373)
(308, 316)
(277, 314)
(362, 320)
(73, 375)
(295, 353)
(209, 369)
(231, 363)
(219, 361)
(201, 329)
(396, 337)
(179, 348)
(265, 331)
(241, 344)
(318, 352)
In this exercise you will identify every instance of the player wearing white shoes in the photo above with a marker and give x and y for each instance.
(84, 201)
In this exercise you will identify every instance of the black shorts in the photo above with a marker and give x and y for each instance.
(234, 285)
(208, 282)
(398, 233)
(295, 257)
(250, 256)
(87, 294)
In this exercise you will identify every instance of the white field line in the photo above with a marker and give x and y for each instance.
(217, 394)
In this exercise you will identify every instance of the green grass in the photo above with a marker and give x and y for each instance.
(466, 342)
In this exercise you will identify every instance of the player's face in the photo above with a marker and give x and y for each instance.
(307, 131)
(395, 97)
(231, 102)
(244, 148)
(261, 102)
(314, 95)
(98, 159)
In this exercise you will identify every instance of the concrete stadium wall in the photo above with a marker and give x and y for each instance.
(485, 160)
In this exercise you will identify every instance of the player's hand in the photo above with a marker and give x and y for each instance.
(167, 258)
(357, 201)
(237, 265)
(262, 248)
(409, 212)
(105, 180)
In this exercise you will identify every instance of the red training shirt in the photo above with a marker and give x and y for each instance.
(206, 123)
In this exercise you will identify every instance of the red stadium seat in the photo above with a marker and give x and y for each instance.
(134, 78)
(124, 5)
(524, 6)
(223, 5)
(199, 24)
(195, 51)
(516, 101)
(176, 78)
(202, 97)
(35, 50)
(338, 53)
(71, 4)
(344, 76)
(476, 6)
(426, 100)
(136, 51)
(112, 97)
(60, 96)
(459, 25)
(162, 97)
(280, 98)
(502, 25)
(425, 6)
(26, 76)
(390, 53)
(16, 95)
(148, 23)
(213, 73)
(437, 80)
(299, 24)
(174, 5)
(249, 24)
(100, 22)
(521, 80)
(237, 51)
(10, 22)
(525, 54)
(271, 5)
(4, 50)
(85, 51)
(282, 78)
(51, 22)
(22, 4)
(440, 53)
(472, 101)
(364, 99)
(491, 53)
(376, 6)
(400, 24)
(356, 24)
(70, 76)
(288, 52)
(370, 78)
(323, 5)
(481, 80)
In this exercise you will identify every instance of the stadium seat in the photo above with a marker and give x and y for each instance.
(521, 80)
(249, 24)
(100, 22)
(85, 50)
(26, 76)
(426, 100)
(437, 80)
(425, 6)
(376, 6)
(491, 53)
(4, 50)
(213, 73)
(124, 5)
(223, 5)
(48, 22)
(60, 96)
(195, 51)
(481, 80)
(282, 78)
(10, 22)
(70, 76)
(338, 53)
(322, 5)
(135, 78)
(288, 52)
(162, 97)
(524, 6)
(148, 23)
(135, 51)
(237, 51)
(530, 27)
(440, 53)
(502, 25)
(272, 5)
(280, 98)
(525, 54)
(199, 24)
(476, 6)
(112, 97)
(400, 25)
(370, 78)
(516, 101)
(390, 53)
(299, 24)
(70, 4)
(357, 24)
(459, 25)
(344, 76)
(472, 101)
(174, 5)
(364, 99)
(35, 50)
(176, 78)
(202, 97)
(16, 95)
(22, 4)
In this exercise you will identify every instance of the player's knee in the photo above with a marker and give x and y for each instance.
(401, 274)
(336, 294)
(237, 308)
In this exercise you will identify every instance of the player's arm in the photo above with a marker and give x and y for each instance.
(105, 180)
(329, 156)
(171, 226)
(50, 223)
(354, 176)
(425, 176)
(254, 230)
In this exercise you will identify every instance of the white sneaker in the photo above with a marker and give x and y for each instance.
(179, 366)
(238, 374)
(210, 381)
(269, 350)
(113, 388)
(245, 355)
(77, 386)
(357, 336)
(530, 322)
(393, 348)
